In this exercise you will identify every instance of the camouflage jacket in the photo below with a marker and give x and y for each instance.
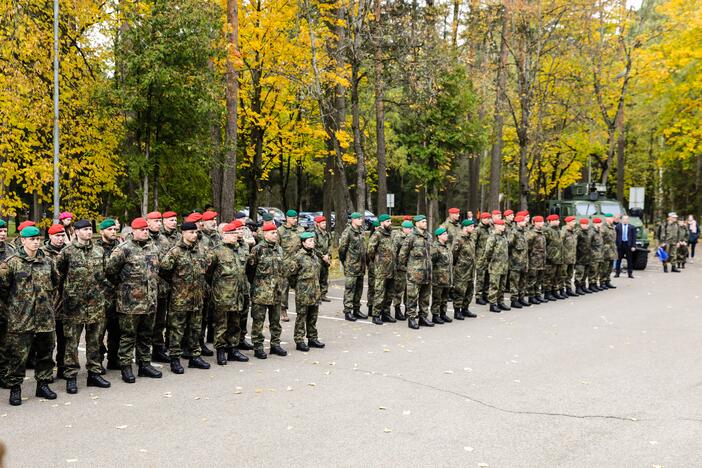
(266, 259)
(211, 238)
(671, 233)
(415, 253)
(352, 251)
(398, 237)
(596, 245)
(481, 233)
(381, 250)
(496, 254)
(163, 244)
(185, 267)
(6, 249)
(228, 276)
(454, 230)
(464, 257)
(108, 248)
(583, 247)
(27, 288)
(554, 245)
(609, 242)
(52, 253)
(537, 249)
(441, 264)
(323, 241)
(289, 238)
(133, 267)
(244, 250)
(82, 270)
(518, 249)
(570, 245)
(306, 265)
(172, 237)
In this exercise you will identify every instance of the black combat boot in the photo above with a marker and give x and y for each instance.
(495, 308)
(467, 313)
(43, 391)
(198, 363)
(349, 316)
(245, 345)
(570, 292)
(481, 301)
(235, 355)
(71, 386)
(260, 354)
(315, 343)
(176, 367)
(533, 301)
(437, 319)
(302, 346)
(515, 304)
(557, 294)
(579, 291)
(524, 301)
(159, 354)
(278, 350)
(387, 317)
(423, 322)
(377, 320)
(610, 285)
(127, 374)
(147, 370)
(675, 270)
(359, 315)
(96, 380)
(458, 314)
(205, 351)
(503, 306)
(15, 395)
(549, 296)
(398, 313)
(445, 317)
(221, 356)
(412, 323)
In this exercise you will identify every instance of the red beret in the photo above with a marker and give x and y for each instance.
(496, 212)
(407, 218)
(237, 223)
(569, 219)
(596, 220)
(584, 221)
(500, 222)
(229, 227)
(519, 218)
(56, 228)
(209, 215)
(553, 217)
(538, 219)
(319, 219)
(25, 224)
(139, 223)
(454, 210)
(508, 212)
(169, 214)
(153, 215)
(269, 227)
(485, 216)
(193, 218)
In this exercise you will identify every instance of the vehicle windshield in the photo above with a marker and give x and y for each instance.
(608, 207)
(585, 209)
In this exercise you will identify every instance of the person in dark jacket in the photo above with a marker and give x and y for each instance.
(626, 246)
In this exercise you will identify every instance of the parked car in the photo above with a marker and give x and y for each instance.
(278, 215)
(368, 219)
(306, 219)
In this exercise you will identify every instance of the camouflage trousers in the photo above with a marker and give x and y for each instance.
(324, 278)
(581, 274)
(286, 293)
(482, 281)
(535, 280)
(496, 293)
(517, 283)
(72, 331)
(243, 318)
(553, 276)
(681, 254)
(463, 289)
(567, 276)
(184, 328)
(110, 331)
(136, 331)
(605, 272)
(161, 322)
(439, 299)
(593, 272)
(17, 346)
(353, 290)
(306, 322)
(418, 299)
(672, 255)
(400, 288)
(258, 319)
(227, 327)
(384, 292)
(370, 294)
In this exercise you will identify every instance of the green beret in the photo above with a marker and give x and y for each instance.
(440, 231)
(267, 217)
(419, 218)
(356, 215)
(108, 223)
(291, 214)
(2, 224)
(383, 217)
(376, 223)
(608, 215)
(29, 231)
(307, 235)
(467, 222)
(407, 224)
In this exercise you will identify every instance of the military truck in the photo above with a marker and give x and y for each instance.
(584, 200)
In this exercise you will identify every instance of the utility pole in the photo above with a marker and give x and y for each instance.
(56, 110)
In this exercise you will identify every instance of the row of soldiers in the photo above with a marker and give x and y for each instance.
(151, 296)
(534, 260)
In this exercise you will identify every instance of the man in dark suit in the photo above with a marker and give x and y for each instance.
(626, 246)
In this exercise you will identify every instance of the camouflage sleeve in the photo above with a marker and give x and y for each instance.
(5, 281)
(169, 261)
(405, 249)
(456, 249)
(61, 262)
(115, 262)
(253, 256)
(343, 245)
(373, 246)
(487, 253)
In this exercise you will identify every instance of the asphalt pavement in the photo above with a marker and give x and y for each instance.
(609, 379)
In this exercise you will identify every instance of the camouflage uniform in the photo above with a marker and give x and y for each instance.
(441, 277)
(570, 245)
(582, 257)
(554, 258)
(518, 262)
(185, 266)
(381, 249)
(306, 266)
(322, 247)
(133, 267)
(82, 270)
(454, 230)
(495, 257)
(244, 249)
(164, 242)
(289, 238)
(111, 324)
(27, 289)
(52, 252)
(352, 253)
(229, 288)
(609, 252)
(596, 246)
(684, 236)
(266, 260)
(537, 261)
(416, 255)
(482, 233)
(400, 280)
(464, 270)
(671, 235)
(6, 250)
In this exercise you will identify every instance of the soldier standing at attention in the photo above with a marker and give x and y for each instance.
(163, 245)
(306, 265)
(352, 253)
(570, 246)
(452, 225)
(400, 281)
(670, 240)
(209, 239)
(370, 267)
(133, 267)
(481, 274)
(170, 235)
(537, 260)
(246, 243)
(27, 281)
(518, 263)
(464, 271)
(109, 241)
(496, 258)
(416, 254)
(582, 257)
(323, 241)
(554, 257)
(441, 276)
(266, 261)
(82, 268)
(596, 244)
(52, 248)
(381, 251)
(609, 252)
(289, 238)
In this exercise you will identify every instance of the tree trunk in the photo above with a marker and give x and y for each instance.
(621, 144)
(157, 169)
(145, 183)
(357, 146)
(455, 22)
(500, 83)
(381, 204)
(228, 197)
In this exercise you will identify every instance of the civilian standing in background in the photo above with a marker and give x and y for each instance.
(626, 246)
(694, 230)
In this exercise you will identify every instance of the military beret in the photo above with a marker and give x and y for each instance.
(553, 217)
(82, 224)
(356, 215)
(407, 218)
(153, 215)
(2, 224)
(467, 222)
(454, 210)
(383, 217)
(376, 223)
(107, 223)
(209, 215)
(584, 221)
(238, 224)
(496, 212)
(519, 218)
(307, 235)
(267, 217)
(485, 215)
(407, 224)
(500, 222)
(229, 227)
(29, 231)
(440, 231)
(319, 219)
(65, 215)
(596, 220)
(268, 227)
(608, 215)
(56, 229)
(291, 214)
(138, 223)
(538, 219)
(522, 213)
(569, 219)
(419, 218)
(193, 217)
(508, 212)
(25, 224)
(188, 226)
(169, 214)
